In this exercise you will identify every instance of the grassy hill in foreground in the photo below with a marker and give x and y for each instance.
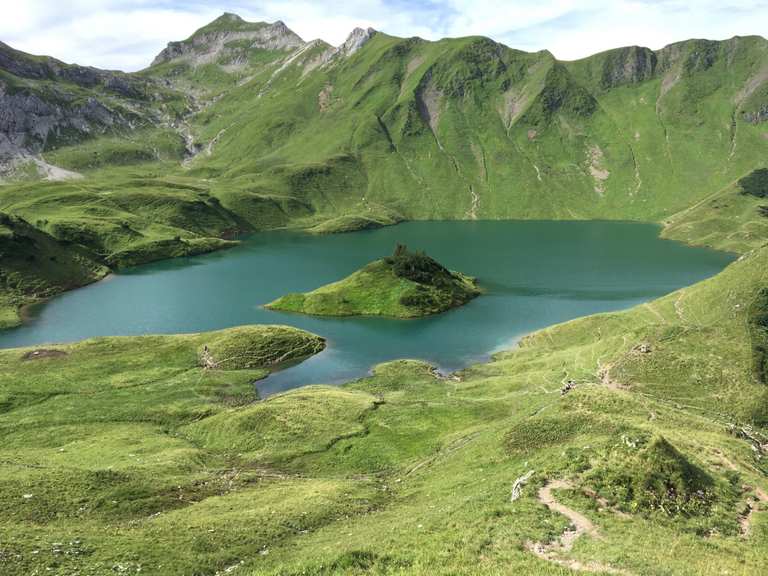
(139, 454)
(404, 285)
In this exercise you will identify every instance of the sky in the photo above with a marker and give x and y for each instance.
(127, 34)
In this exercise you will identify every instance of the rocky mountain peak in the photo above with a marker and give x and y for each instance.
(277, 36)
(356, 40)
(227, 40)
(229, 17)
(281, 26)
(629, 65)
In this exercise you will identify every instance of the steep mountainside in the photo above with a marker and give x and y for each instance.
(460, 128)
(46, 104)
(468, 128)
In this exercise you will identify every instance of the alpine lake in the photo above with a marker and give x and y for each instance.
(534, 274)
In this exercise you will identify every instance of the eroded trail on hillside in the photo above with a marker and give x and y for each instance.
(756, 503)
(557, 550)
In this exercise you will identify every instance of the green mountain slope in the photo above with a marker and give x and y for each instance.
(35, 266)
(730, 219)
(46, 104)
(469, 128)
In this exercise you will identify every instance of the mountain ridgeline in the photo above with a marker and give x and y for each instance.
(459, 128)
(245, 126)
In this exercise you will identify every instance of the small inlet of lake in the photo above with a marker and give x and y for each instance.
(534, 273)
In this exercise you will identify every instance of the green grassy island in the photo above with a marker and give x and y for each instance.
(404, 285)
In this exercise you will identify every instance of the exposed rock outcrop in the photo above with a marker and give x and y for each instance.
(757, 116)
(31, 122)
(227, 40)
(356, 40)
(629, 65)
(45, 68)
(45, 102)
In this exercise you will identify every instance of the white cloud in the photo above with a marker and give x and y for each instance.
(126, 34)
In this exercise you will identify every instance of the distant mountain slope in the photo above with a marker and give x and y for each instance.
(459, 128)
(468, 128)
(46, 104)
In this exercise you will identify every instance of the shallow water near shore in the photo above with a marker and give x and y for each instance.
(534, 273)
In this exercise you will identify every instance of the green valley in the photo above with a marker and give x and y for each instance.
(171, 467)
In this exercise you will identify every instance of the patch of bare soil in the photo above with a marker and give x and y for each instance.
(604, 375)
(43, 353)
(430, 107)
(596, 169)
(557, 550)
(324, 98)
(755, 503)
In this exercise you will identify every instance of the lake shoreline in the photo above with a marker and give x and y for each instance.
(537, 274)
(26, 315)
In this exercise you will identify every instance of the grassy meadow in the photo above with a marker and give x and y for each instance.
(139, 455)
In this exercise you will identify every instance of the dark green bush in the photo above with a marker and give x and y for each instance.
(658, 478)
(419, 299)
(756, 183)
(418, 267)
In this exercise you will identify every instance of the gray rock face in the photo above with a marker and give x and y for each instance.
(628, 66)
(277, 36)
(356, 40)
(30, 123)
(693, 56)
(757, 116)
(227, 40)
(24, 66)
(42, 103)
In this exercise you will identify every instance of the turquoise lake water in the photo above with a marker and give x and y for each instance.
(535, 274)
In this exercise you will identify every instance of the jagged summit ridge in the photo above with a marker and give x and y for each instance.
(227, 38)
(356, 40)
